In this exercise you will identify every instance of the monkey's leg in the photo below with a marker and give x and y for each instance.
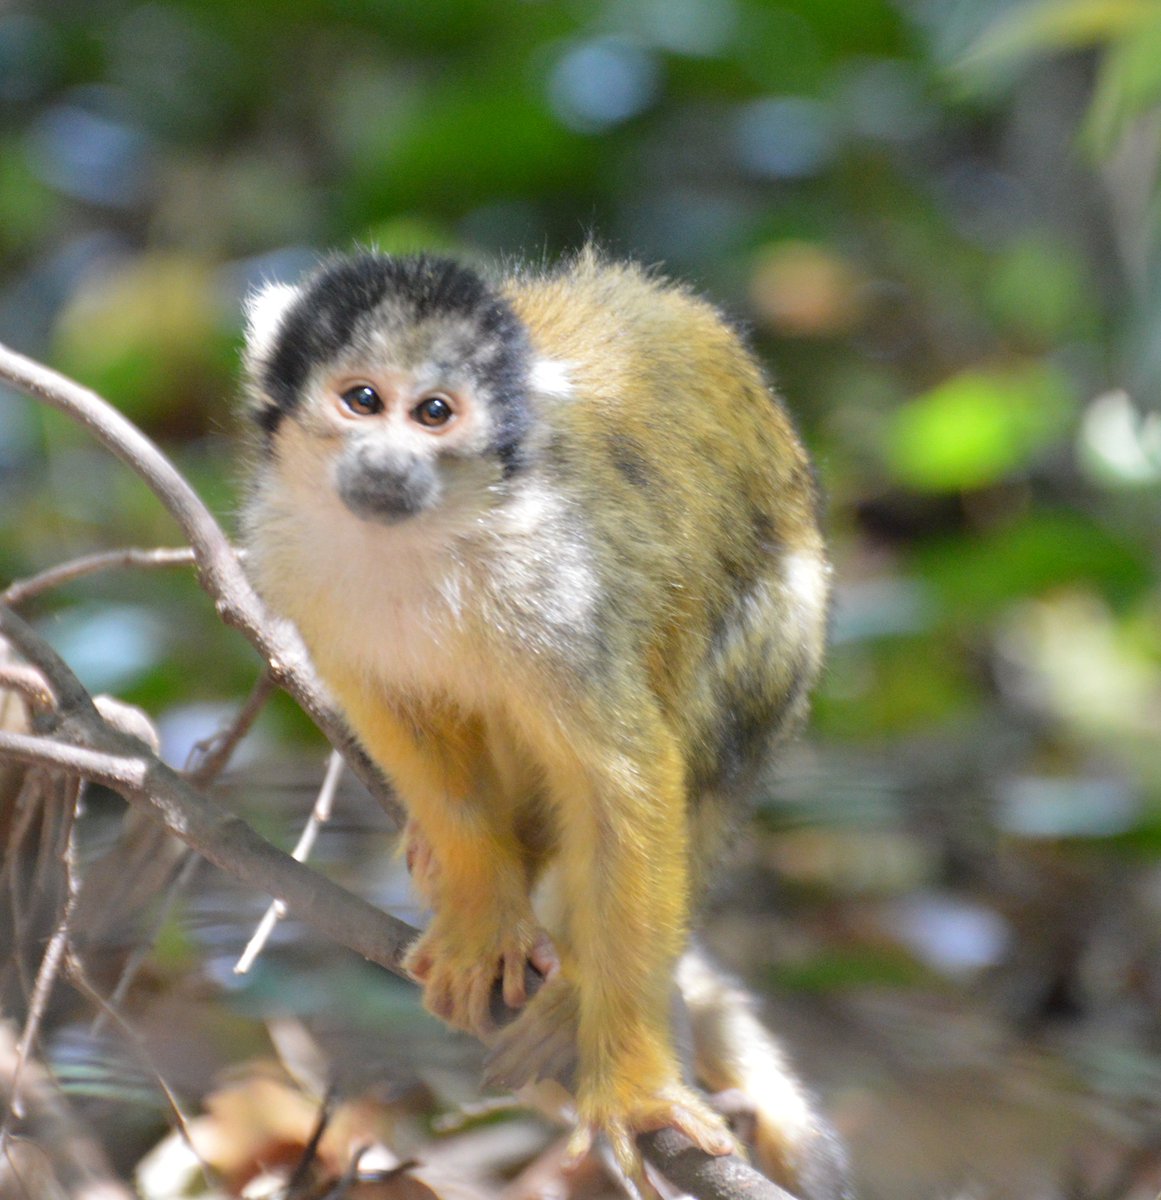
(623, 857)
(483, 926)
(793, 1143)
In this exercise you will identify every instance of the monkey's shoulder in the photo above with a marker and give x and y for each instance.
(606, 318)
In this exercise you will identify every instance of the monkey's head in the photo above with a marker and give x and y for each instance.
(398, 382)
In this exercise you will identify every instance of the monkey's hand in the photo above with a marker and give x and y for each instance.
(457, 961)
(542, 1044)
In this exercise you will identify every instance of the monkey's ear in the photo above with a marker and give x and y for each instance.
(265, 309)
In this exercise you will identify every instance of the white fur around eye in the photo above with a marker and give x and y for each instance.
(265, 309)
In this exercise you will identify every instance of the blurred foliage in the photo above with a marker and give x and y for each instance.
(938, 218)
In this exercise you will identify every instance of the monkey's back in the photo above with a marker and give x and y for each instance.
(702, 504)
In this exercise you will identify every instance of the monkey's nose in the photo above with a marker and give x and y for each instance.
(380, 484)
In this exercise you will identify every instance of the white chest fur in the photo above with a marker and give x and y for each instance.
(400, 604)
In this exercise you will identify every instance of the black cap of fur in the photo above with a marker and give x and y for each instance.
(322, 319)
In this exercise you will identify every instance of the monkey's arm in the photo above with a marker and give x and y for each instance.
(482, 926)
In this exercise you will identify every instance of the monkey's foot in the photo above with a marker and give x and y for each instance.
(671, 1106)
(458, 971)
(540, 1043)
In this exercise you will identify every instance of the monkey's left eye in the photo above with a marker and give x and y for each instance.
(433, 411)
(362, 400)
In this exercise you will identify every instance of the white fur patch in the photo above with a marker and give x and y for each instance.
(806, 579)
(550, 377)
(265, 309)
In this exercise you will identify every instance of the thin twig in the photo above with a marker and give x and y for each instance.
(213, 755)
(46, 976)
(77, 1159)
(21, 590)
(319, 815)
(79, 978)
(219, 569)
(112, 770)
(299, 1176)
(342, 1185)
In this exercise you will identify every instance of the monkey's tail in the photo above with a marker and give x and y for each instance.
(733, 1051)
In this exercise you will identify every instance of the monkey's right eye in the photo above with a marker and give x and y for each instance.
(362, 400)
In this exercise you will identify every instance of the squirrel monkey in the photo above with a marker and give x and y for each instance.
(554, 546)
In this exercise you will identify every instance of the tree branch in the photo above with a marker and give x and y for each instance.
(29, 683)
(319, 815)
(17, 592)
(219, 570)
(209, 758)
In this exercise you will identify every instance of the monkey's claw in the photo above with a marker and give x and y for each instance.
(458, 973)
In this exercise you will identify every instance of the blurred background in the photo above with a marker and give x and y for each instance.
(939, 219)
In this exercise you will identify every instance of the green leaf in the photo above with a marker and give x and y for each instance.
(976, 577)
(1038, 287)
(893, 688)
(976, 428)
(1050, 25)
(1128, 84)
(839, 969)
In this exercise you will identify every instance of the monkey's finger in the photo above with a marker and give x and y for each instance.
(543, 956)
(418, 963)
(479, 1001)
(515, 990)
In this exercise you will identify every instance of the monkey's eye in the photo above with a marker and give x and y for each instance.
(362, 400)
(433, 411)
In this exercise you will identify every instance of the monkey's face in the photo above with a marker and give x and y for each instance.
(395, 437)
(398, 386)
